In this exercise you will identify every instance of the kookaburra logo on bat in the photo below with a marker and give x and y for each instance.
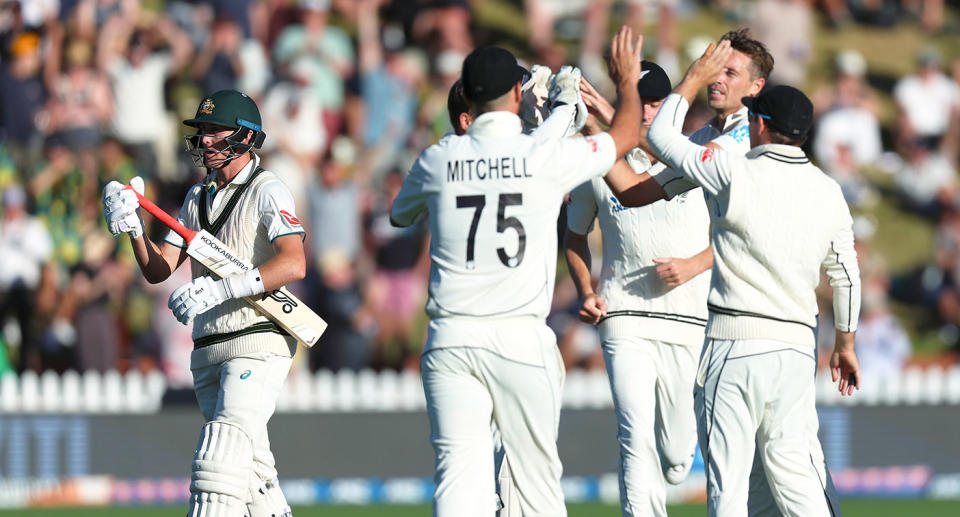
(280, 297)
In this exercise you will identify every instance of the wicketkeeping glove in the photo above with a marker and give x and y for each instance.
(121, 208)
(535, 92)
(205, 293)
(565, 89)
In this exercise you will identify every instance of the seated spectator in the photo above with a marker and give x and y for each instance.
(786, 28)
(23, 97)
(927, 181)
(883, 346)
(928, 103)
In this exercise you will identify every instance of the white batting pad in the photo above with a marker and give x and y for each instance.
(222, 466)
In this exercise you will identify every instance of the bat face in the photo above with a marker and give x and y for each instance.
(215, 255)
(279, 305)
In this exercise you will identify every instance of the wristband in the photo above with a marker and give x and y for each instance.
(243, 284)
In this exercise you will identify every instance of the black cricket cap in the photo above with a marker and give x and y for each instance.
(654, 82)
(784, 108)
(489, 72)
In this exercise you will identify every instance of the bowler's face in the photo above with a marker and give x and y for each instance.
(650, 109)
(734, 83)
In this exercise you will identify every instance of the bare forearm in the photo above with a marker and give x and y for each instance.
(625, 129)
(577, 252)
(844, 341)
(285, 267)
(704, 260)
(153, 265)
(633, 189)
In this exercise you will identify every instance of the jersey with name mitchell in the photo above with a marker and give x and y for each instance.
(493, 196)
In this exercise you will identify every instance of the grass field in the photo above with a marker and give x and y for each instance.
(851, 508)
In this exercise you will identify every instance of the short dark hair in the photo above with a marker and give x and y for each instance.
(456, 104)
(761, 62)
(777, 137)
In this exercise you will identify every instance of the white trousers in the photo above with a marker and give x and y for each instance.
(244, 391)
(467, 389)
(757, 397)
(652, 385)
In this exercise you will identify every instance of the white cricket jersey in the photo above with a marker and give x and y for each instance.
(778, 219)
(632, 238)
(263, 212)
(493, 197)
(734, 136)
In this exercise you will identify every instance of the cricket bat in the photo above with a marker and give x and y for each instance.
(280, 305)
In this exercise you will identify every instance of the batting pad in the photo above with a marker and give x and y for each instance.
(222, 466)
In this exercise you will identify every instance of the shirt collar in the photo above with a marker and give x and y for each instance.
(732, 120)
(242, 177)
(785, 152)
(496, 123)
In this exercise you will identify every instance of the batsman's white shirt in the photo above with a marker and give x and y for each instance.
(264, 212)
(494, 196)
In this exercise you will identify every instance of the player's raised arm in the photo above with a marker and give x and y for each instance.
(624, 66)
(122, 213)
(700, 164)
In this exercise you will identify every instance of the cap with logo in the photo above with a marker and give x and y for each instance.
(489, 72)
(784, 108)
(227, 108)
(654, 82)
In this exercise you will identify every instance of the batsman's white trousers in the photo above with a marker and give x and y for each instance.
(758, 397)
(467, 388)
(244, 391)
(652, 385)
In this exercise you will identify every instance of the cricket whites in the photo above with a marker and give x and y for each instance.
(279, 305)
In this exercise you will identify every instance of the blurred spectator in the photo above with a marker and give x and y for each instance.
(297, 135)
(23, 97)
(218, 64)
(434, 25)
(25, 246)
(337, 196)
(927, 181)
(396, 288)
(327, 48)
(928, 103)
(786, 28)
(390, 80)
(137, 73)
(883, 346)
(849, 88)
(340, 302)
(80, 102)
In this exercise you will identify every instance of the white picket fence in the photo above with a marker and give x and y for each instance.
(368, 391)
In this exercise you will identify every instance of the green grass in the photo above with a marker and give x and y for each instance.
(851, 508)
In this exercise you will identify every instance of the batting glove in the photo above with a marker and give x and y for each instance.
(121, 208)
(565, 89)
(535, 92)
(205, 293)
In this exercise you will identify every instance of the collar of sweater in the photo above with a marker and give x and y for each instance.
(496, 123)
(780, 152)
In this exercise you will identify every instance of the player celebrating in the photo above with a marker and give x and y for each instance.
(651, 327)
(492, 198)
(240, 358)
(777, 219)
(745, 74)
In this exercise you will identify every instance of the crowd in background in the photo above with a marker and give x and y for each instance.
(350, 92)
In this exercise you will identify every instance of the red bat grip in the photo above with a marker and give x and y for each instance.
(164, 217)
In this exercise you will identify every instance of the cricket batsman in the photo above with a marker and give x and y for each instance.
(240, 358)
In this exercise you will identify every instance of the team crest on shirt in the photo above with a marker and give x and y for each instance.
(707, 155)
(741, 134)
(289, 218)
(207, 106)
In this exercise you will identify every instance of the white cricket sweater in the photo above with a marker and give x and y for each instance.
(632, 238)
(244, 232)
(779, 219)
